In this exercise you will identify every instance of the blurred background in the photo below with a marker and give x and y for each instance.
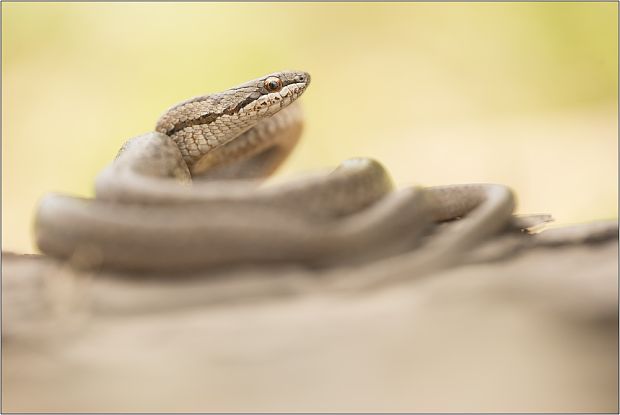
(523, 94)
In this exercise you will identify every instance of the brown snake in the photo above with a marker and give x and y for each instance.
(149, 215)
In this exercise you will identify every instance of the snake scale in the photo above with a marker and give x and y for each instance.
(187, 196)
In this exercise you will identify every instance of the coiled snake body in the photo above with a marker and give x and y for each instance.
(149, 215)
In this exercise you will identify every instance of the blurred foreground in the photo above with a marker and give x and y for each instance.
(533, 331)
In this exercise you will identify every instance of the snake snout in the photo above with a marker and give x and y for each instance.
(303, 78)
(298, 79)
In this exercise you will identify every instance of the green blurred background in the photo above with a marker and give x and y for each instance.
(523, 94)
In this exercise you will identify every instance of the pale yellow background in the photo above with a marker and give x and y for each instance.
(522, 94)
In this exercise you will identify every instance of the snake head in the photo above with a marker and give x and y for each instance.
(269, 94)
(200, 124)
(237, 107)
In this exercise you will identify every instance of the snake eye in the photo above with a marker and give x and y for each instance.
(273, 84)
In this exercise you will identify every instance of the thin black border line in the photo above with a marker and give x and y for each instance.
(320, 1)
(311, 1)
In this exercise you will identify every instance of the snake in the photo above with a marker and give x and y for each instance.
(192, 195)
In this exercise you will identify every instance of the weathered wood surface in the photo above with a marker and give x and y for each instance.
(514, 328)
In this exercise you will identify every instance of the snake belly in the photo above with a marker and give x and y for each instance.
(186, 196)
